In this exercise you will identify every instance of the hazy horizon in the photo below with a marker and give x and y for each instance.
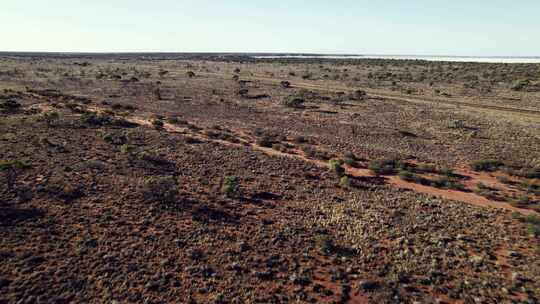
(261, 53)
(419, 28)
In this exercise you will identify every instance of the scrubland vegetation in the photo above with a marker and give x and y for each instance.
(209, 179)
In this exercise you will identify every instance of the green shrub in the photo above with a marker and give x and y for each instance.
(293, 102)
(407, 176)
(448, 182)
(534, 230)
(447, 172)
(490, 193)
(115, 138)
(519, 85)
(15, 164)
(384, 167)
(127, 149)
(445, 182)
(349, 159)
(231, 186)
(345, 182)
(336, 166)
(315, 153)
(50, 118)
(489, 165)
(533, 219)
(526, 172)
(524, 201)
(427, 168)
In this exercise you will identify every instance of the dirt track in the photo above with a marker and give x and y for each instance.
(245, 139)
(386, 95)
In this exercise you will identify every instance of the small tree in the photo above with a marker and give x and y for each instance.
(231, 186)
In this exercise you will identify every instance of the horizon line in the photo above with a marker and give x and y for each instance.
(259, 53)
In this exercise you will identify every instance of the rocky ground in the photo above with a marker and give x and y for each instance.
(173, 188)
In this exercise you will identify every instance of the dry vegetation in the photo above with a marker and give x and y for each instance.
(204, 179)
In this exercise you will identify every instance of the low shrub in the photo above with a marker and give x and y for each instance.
(50, 118)
(176, 121)
(312, 152)
(158, 124)
(266, 141)
(115, 138)
(95, 119)
(293, 102)
(230, 186)
(448, 182)
(407, 176)
(349, 159)
(163, 189)
(489, 165)
(299, 139)
(154, 159)
(9, 106)
(325, 244)
(489, 193)
(345, 182)
(384, 167)
(526, 172)
(14, 164)
(504, 180)
(336, 166)
(123, 123)
(519, 85)
(444, 182)
(127, 149)
(426, 168)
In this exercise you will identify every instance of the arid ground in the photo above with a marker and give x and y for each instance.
(224, 179)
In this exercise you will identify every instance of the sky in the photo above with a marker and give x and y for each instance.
(409, 27)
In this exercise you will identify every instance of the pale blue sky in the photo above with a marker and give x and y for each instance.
(457, 27)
